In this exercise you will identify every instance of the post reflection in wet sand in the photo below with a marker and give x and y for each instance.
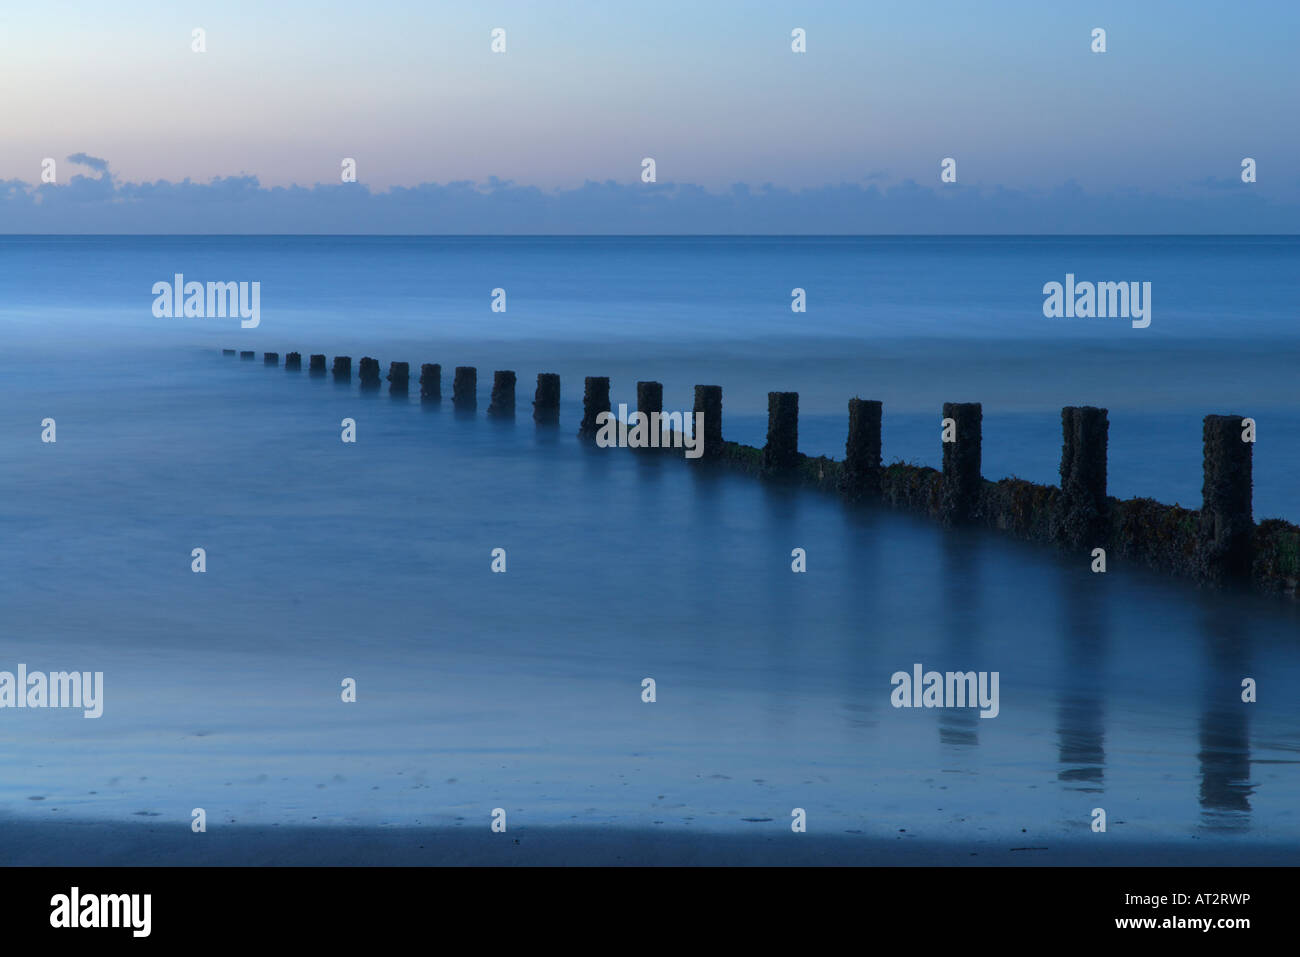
(1224, 729)
(1081, 712)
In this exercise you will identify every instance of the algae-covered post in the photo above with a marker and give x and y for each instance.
(317, 366)
(595, 400)
(431, 382)
(781, 453)
(708, 401)
(1227, 526)
(399, 377)
(862, 448)
(464, 387)
(1083, 506)
(962, 428)
(503, 394)
(343, 368)
(546, 401)
(293, 362)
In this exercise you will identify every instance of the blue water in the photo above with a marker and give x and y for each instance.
(912, 322)
(479, 690)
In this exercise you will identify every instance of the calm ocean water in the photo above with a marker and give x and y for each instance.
(522, 690)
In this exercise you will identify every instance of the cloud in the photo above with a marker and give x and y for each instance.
(240, 204)
(94, 162)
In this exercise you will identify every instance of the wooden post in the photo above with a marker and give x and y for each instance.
(464, 387)
(503, 395)
(781, 453)
(369, 375)
(431, 382)
(1083, 507)
(959, 496)
(399, 378)
(862, 448)
(595, 400)
(708, 400)
(546, 401)
(1227, 525)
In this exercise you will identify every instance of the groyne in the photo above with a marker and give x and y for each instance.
(1218, 545)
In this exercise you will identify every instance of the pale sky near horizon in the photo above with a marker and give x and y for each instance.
(711, 90)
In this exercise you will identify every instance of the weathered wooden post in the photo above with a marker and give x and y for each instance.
(247, 355)
(708, 400)
(862, 449)
(649, 397)
(399, 378)
(270, 358)
(546, 400)
(959, 494)
(595, 400)
(1227, 525)
(342, 368)
(227, 352)
(503, 394)
(293, 362)
(317, 366)
(1081, 519)
(431, 382)
(369, 373)
(781, 453)
(464, 387)
(650, 402)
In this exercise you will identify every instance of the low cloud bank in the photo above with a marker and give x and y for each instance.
(241, 205)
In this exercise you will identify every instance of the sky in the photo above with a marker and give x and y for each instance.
(712, 91)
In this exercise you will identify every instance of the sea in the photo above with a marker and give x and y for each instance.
(371, 562)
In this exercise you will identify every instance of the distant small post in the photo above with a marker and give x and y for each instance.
(781, 453)
(464, 387)
(271, 358)
(1227, 524)
(431, 382)
(959, 498)
(595, 400)
(369, 374)
(247, 355)
(293, 362)
(317, 366)
(399, 378)
(227, 352)
(503, 395)
(343, 368)
(546, 401)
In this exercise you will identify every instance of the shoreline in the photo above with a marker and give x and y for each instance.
(127, 844)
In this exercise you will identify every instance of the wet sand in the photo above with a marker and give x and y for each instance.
(114, 844)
